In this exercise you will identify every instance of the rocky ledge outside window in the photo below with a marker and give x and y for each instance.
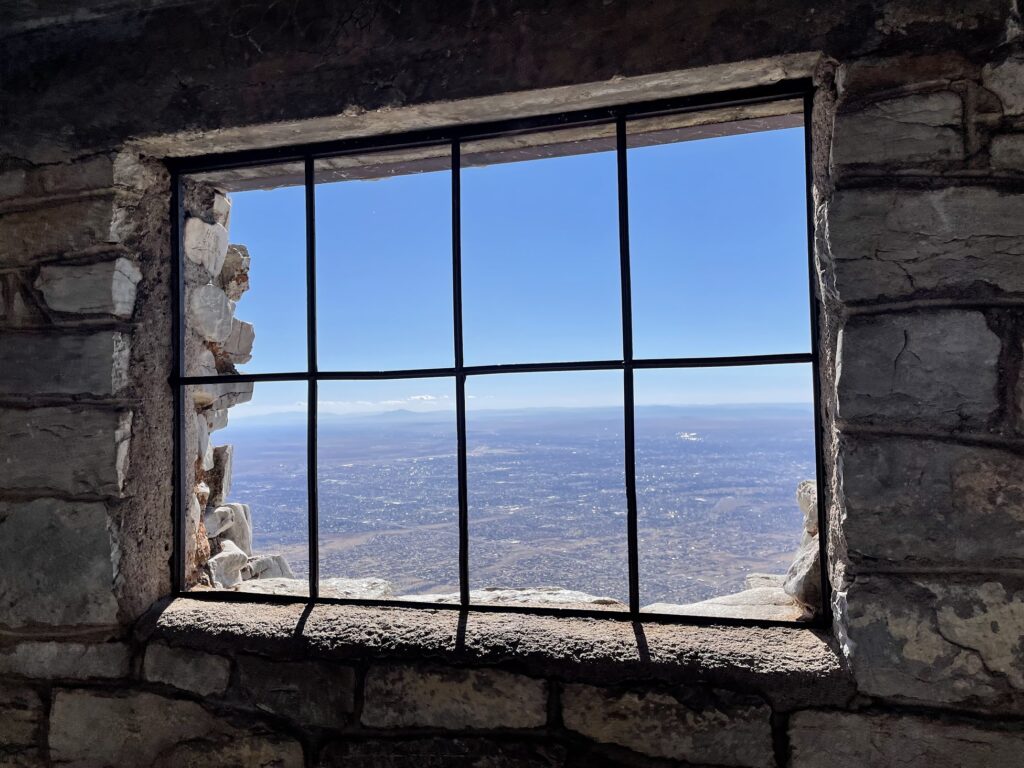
(566, 368)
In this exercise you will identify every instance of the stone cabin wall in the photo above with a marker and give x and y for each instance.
(919, 211)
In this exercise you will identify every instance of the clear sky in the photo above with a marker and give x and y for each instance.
(719, 267)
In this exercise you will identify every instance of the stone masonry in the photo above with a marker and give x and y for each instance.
(918, 173)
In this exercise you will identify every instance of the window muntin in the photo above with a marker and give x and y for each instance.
(463, 154)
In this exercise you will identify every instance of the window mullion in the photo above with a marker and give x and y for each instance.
(627, 358)
(460, 375)
(312, 478)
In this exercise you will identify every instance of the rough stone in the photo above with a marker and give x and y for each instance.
(768, 603)
(309, 693)
(231, 522)
(931, 503)
(237, 347)
(206, 244)
(267, 567)
(216, 419)
(106, 288)
(405, 696)
(909, 129)
(210, 312)
(26, 236)
(1006, 80)
(219, 476)
(890, 244)
(938, 640)
(440, 753)
(222, 396)
(713, 727)
(92, 445)
(526, 596)
(66, 661)
(1007, 152)
(932, 370)
(36, 363)
(234, 276)
(91, 728)
(203, 673)
(12, 183)
(792, 667)
(226, 566)
(803, 579)
(847, 740)
(222, 210)
(71, 578)
(21, 719)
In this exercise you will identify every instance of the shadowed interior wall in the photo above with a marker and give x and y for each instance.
(918, 136)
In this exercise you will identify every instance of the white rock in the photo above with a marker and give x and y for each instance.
(206, 244)
(222, 210)
(234, 276)
(757, 580)
(216, 418)
(208, 456)
(267, 567)
(226, 566)
(219, 476)
(522, 596)
(238, 345)
(232, 522)
(807, 500)
(202, 438)
(210, 313)
(760, 603)
(106, 288)
(803, 579)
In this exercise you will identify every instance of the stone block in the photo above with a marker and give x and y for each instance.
(234, 276)
(1006, 80)
(1007, 152)
(21, 716)
(309, 693)
(923, 127)
(892, 244)
(210, 312)
(712, 727)
(461, 752)
(69, 450)
(133, 728)
(64, 364)
(66, 661)
(203, 673)
(12, 183)
(96, 172)
(931, 504)
(27, 235)
(106, 288)
(933, 370)
(219, 478)
(206, 244)
(938, 640)
(848, 740)
(456, 699)
(56, 564)
(237, 347)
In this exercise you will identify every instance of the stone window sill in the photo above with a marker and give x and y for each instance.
(791, 668)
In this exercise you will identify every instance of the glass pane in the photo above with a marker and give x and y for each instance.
(718, 241)
(384, 261)
(547, 501)
(246, 493)
(540, 248)
(720, 453)
(388, 498)
(245, 271)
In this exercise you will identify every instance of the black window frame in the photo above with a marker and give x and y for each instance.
(454, 137)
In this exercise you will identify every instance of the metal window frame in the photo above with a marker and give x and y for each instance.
(454, 136)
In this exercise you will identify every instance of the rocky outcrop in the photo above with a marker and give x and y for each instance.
(219, 534)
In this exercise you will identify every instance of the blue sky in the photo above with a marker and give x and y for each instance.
(719, 267)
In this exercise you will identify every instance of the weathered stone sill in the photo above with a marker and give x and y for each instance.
(791, 668)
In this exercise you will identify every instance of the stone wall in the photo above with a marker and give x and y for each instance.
(919, 190)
